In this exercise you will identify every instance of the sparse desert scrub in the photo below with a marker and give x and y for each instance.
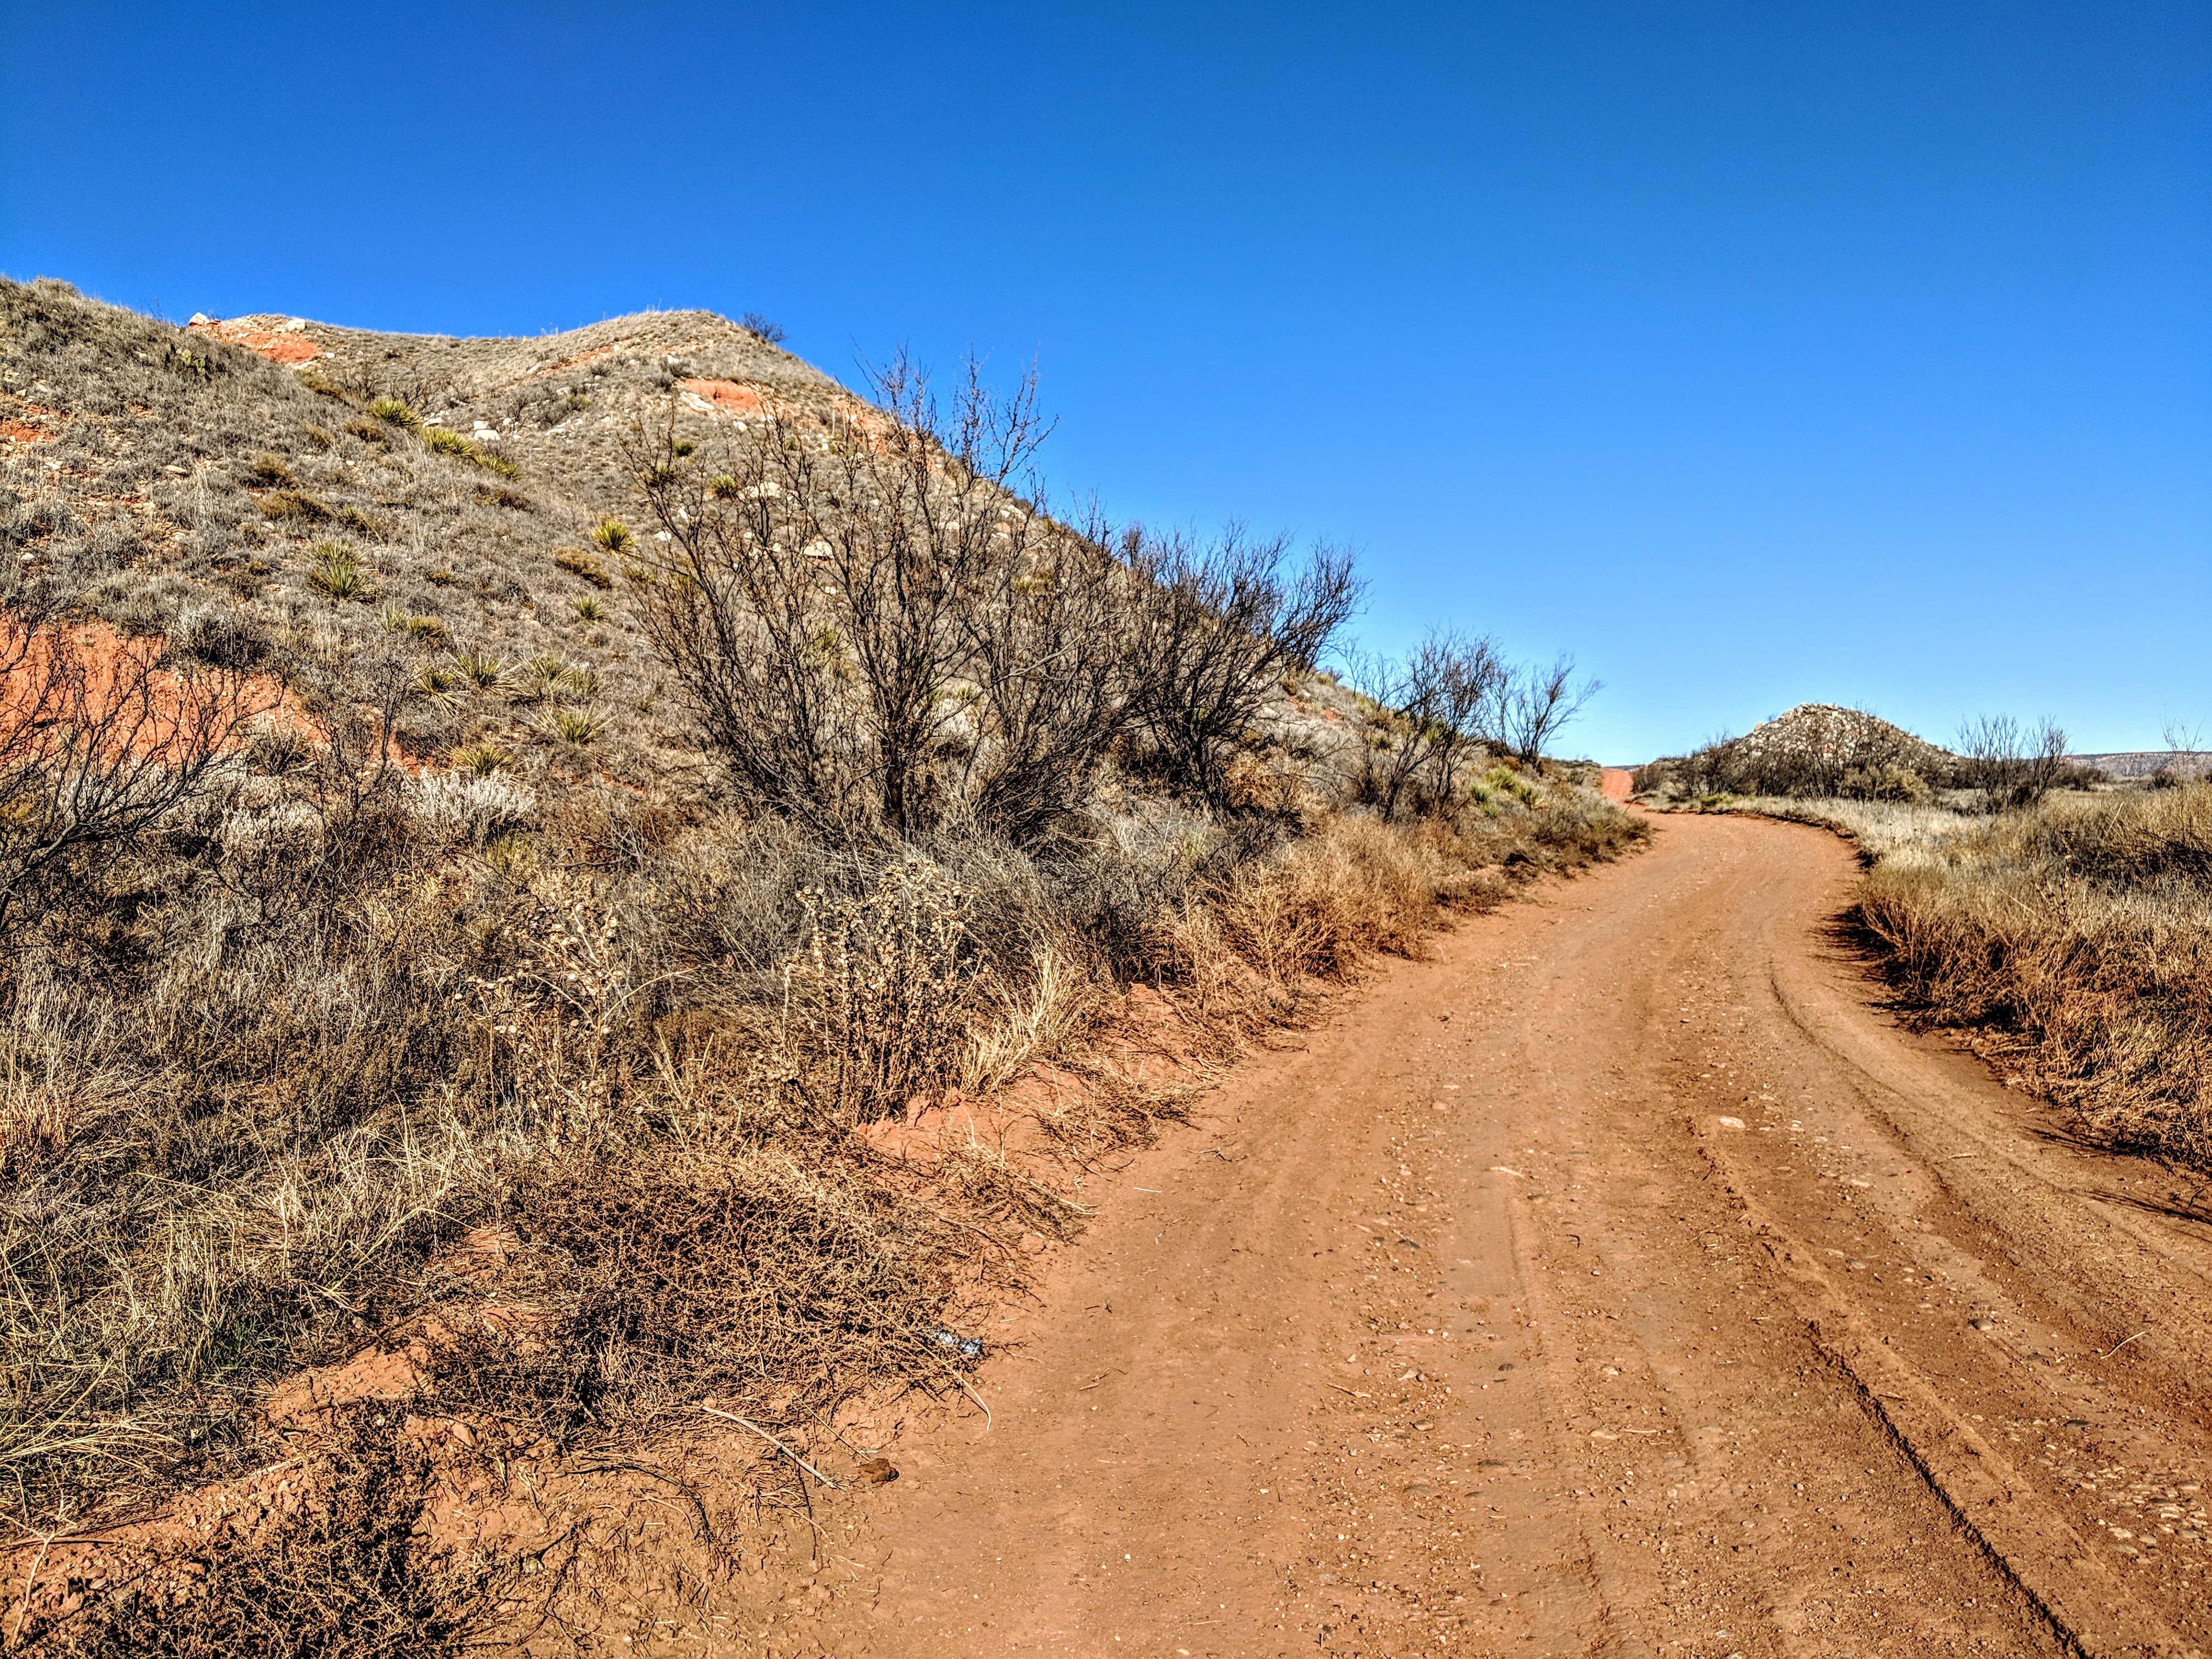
(226, 1166)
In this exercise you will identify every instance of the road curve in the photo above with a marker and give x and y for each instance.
(1621, 1280)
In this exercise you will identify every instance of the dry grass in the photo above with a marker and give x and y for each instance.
(2078, 933)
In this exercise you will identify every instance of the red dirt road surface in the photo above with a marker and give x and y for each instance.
(1621, 1281)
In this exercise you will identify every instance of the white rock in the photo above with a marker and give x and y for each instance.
(199, 318)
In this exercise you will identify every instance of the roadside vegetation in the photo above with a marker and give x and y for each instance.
(2065, 917)
(335, 1019)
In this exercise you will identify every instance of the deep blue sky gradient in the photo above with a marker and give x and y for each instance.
(1755, 354)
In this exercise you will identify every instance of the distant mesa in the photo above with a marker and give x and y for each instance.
(2146, 763)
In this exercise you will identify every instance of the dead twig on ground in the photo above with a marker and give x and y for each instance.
(731, 1417)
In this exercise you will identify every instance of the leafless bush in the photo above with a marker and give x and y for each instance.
(2013, 765)
(1217, 626)
(96, 749)
(875, 630)
(823, 595)
(1537, 703)
(1443, 700)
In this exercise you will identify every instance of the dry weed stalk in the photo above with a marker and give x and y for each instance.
(880, 999)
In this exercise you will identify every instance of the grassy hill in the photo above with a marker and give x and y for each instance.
(176, 483)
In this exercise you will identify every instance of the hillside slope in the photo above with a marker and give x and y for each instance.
(194, 484)
(203, 484)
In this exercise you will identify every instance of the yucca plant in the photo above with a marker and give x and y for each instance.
(588, 609)
(482, 758)
(576, 725)
(393, 412)
(540, 675)
(611, 536)
(336, 573)
(480, 668)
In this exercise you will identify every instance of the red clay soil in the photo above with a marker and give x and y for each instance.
(278, 345)
(1617, 783)
(1621, 1281)
(116, 676)
(728, 396)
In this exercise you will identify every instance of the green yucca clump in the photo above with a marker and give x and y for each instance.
(482, 758)
(587, 608)
(446, 441)
(336, 573)
(480, 668)
(611, 536)
(393, 412)
(577, 725)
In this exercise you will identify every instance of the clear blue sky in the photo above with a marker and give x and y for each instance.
(1754, 353)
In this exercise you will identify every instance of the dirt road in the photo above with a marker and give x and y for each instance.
(1621, 1281)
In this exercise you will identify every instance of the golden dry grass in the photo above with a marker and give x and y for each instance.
(2078, 934)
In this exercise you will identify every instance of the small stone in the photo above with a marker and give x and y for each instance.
(1983, 1324)
(878, 1471)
